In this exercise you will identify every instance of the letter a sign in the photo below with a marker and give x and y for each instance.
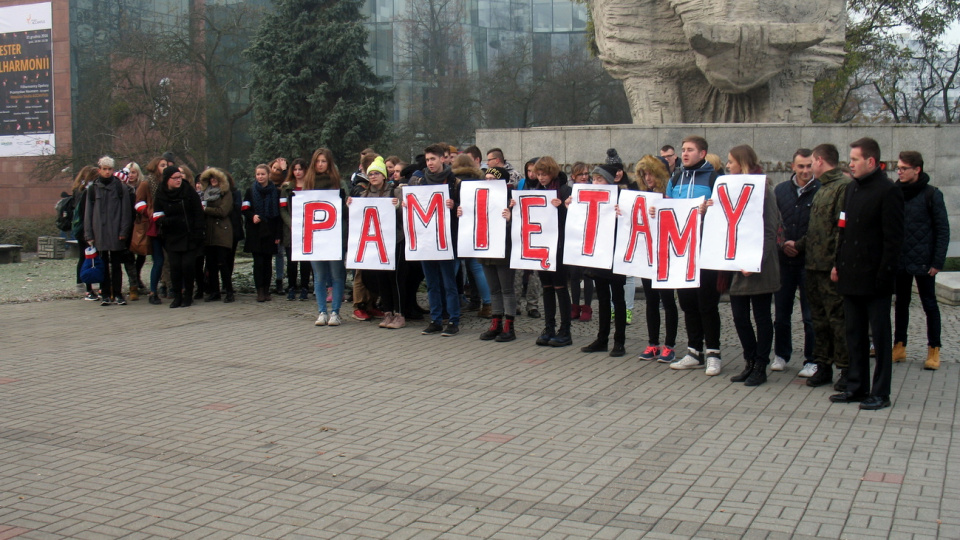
(426, 223)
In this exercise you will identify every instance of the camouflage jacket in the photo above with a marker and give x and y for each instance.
(819, 245)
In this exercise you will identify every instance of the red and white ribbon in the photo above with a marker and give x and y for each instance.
(158, 215)
(842, 222)
(283, 202)
(245, 205)
(140, 206)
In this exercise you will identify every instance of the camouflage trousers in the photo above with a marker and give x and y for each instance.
(829, 331)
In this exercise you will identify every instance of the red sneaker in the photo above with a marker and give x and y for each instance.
(361, 315)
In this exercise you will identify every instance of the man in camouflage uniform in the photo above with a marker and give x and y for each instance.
(819, 245)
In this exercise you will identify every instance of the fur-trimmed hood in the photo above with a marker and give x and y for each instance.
(223, 181)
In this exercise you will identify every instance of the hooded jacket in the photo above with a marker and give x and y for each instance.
(926, 228)
(693, 182)
(219, 209)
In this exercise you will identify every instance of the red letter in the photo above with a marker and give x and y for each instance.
(527, 229)
(311, 225)
(734, 214)
(435, 208)
(592, 199)
(639, 224)
(481, 236)
(671, 240)
(370, 232)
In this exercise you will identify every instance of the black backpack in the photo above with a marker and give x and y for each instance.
(65, 210)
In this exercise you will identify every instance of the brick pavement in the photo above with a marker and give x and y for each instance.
(244, 420)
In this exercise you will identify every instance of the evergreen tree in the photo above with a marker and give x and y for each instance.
(311, 85)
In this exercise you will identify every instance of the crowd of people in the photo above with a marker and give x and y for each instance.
(842, 239)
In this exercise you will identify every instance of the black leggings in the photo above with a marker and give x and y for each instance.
(292, 266)
(654, 297)
(576, 274)
(219, 261)
(610, 289)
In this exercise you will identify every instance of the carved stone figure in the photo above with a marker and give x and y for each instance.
(719, 60)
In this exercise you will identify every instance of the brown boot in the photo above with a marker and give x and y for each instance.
(260, 295)
(933, 358)
(486, 311)
(899, 352)
(134, 293)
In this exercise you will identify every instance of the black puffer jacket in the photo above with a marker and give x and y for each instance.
(182, 226)
(795, 213)
(926, 229)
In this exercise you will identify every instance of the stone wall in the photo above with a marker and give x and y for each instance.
(774, 144)
(19, 195)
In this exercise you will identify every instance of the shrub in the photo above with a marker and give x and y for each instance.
(24, 231)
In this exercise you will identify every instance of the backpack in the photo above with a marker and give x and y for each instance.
(65, 208)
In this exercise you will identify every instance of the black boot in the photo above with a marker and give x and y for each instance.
(177, 300)
(562, 339)
(598, 345)
(279, 287)
(188, 298)
(212, 297)
(507, 334)
(496, 326)
(758, 376)
(545, 336)
(618, 349)
(745, 374)
(823, 376)
(229, 297)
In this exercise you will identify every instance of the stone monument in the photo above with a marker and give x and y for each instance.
(719, 60)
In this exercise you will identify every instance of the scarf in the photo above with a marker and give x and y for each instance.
(211, 194)
(266, 200)
(445, 176)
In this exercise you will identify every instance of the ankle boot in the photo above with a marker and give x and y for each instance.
(229, 297)
(177, 300)
(398, 321)
(618, 349)
(562, 339)
(260, 296)
(575, 311)
(933, 359)
(496, 327)
(387, 319)
(279, 289)
(188, 298)
(134, 293)
(545, 336)
(758, 376)
(743, 375)
(586, 313)
(899, 352)
(508, 334)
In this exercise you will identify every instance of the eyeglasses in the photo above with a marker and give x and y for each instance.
(582, 174)
(904, 169)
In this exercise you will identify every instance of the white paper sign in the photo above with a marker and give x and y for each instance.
(678, 244)
(483, 231)
(534, 231)
(635, 253)
(316, 226)
(588, 231)
(372, 244)
(426, 223)
(733, 226)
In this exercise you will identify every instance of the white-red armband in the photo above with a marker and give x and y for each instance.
(283, 202)
(158, 215)
(842, 222)
(140, 206)
(245, 205)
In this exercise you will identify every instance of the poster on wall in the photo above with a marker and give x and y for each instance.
(26, 80)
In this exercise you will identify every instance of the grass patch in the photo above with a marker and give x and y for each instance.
(24, 231)
(952, 264)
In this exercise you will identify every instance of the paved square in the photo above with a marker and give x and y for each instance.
(245, 420)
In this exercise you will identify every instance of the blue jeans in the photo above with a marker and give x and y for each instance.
(478, 279)
(328, 272)
(156, 245)
(442, 293)
(792, 277)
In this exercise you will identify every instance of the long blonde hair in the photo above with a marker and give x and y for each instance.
(84, 177)
(655, 167)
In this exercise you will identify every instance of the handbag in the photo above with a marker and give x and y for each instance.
(91, 271)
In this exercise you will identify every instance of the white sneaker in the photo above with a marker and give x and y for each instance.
(809, 370)
(334, 319)
(778, 364)
(690, 361)
(713, 365)
(321, 320)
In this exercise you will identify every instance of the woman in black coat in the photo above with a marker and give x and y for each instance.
(179, 215)
(261, 215)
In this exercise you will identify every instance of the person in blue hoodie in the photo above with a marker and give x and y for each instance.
(701, 312)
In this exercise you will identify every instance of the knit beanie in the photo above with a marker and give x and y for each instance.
(168, 157)
(378, 165)
(613, 158)
(608, 172)
(170, 171)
